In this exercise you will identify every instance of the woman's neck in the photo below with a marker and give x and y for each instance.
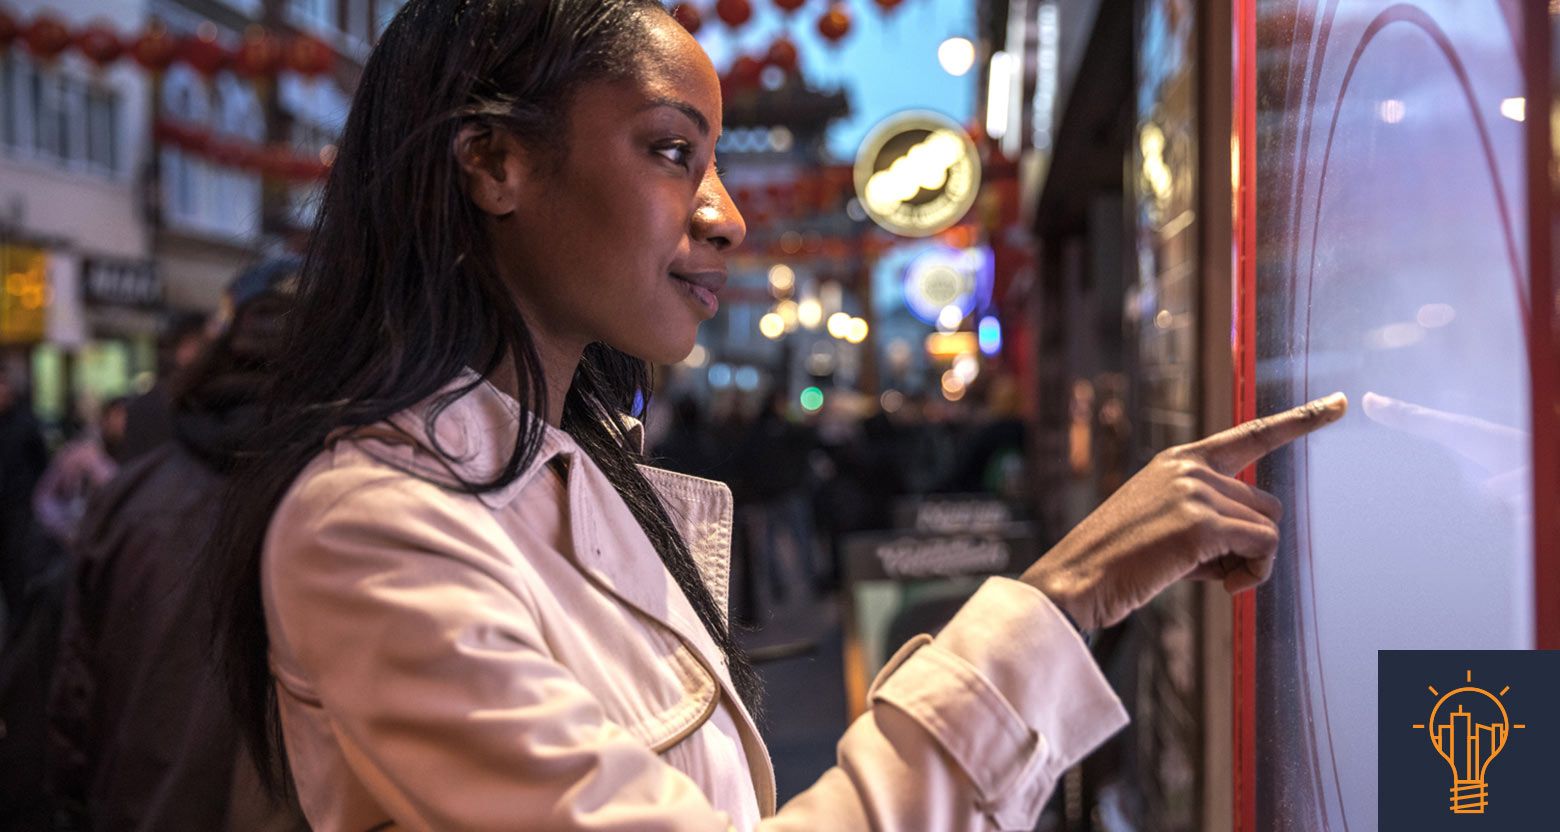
(558, 365)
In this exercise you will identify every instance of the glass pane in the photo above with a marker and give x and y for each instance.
(1392, 266)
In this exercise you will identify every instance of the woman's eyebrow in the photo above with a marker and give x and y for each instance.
(683, 107)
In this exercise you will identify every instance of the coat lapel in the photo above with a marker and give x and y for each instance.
(478, 432)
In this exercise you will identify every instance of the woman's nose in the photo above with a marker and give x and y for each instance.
(717, 220)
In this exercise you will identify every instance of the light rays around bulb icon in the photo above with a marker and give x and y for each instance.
(1469, 727)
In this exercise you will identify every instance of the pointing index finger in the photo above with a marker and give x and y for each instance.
(1230, 451)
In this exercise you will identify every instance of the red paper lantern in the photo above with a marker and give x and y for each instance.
(835, 23)
(888, 5)
(47, 37)
(788, 6)
(100, 44)
(806, 190)
(309, 56)
(782, 54)
(224, 152)
(247, 156)
(202, 52)
(745, 71)
(733, 12)
(156, 49)
(259, 54)
(272, 160)
(305, 169)
(10, 29)
(184, 137)
(687, 14)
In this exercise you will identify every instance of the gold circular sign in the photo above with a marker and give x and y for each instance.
(917, 173)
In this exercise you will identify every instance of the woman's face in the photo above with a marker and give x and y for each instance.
(624, 241)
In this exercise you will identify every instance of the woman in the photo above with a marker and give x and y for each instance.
(455, 600)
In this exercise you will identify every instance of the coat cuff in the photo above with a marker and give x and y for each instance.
(1010, 691)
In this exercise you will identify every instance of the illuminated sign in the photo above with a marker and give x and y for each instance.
(917, 174)
(24, 294)
(941, 277)
(950, 344)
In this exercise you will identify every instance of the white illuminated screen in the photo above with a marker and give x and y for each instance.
(1393, 252)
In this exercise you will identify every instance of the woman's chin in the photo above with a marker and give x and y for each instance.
(663, 350)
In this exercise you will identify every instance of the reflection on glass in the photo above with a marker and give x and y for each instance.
(1392, 267)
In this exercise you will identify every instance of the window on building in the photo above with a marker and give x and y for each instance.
(384, 12)
(359, 19)
(198, 193)
(314, 14)
(50, 115)
(319, 110)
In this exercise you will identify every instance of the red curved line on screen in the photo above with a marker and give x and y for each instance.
(1415, 16)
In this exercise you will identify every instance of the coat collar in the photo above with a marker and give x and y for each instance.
(477, 434)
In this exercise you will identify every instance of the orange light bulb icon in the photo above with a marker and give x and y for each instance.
(1469, 727)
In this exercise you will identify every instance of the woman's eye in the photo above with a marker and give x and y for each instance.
(677, 153)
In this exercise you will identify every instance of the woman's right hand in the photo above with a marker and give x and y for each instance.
(1183, 515)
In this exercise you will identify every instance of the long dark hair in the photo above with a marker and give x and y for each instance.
(399, 292)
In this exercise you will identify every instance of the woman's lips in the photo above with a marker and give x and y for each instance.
(701, 290)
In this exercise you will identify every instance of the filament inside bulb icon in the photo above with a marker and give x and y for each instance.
(1469, 727)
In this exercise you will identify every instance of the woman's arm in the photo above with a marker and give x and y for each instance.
(404, 613)
(448, 708)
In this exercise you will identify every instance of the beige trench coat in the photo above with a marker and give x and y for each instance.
(522, 660)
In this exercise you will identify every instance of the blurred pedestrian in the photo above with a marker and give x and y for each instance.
(141, 732)
(148, 417)
(23, 458)
(31, 574)
(689, 446)
(772, 480)
(79, 468)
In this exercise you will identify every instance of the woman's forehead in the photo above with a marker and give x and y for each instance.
(672, 65)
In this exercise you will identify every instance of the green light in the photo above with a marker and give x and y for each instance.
(812, 399)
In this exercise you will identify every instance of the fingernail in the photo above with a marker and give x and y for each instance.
(1336, 402)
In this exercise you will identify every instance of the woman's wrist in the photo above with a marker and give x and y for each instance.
(1064, 591)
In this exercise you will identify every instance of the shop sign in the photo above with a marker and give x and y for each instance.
(953, 514)
(917, 173)
(24, 294)
(125, 283)
(912, 554)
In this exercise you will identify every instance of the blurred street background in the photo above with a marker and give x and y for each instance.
(994, 261)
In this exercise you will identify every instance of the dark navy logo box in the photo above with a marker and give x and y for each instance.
(1469, 740)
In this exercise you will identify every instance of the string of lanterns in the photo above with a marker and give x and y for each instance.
(259, 55)
(276, 161)
(833, 25)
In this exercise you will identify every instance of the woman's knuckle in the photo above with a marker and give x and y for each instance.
(1204, 522)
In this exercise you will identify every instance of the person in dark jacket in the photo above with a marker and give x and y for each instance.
(23, 459)
(140, 729)
(149, 416)
(32, 569)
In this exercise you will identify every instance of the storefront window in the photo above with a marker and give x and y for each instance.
(1392, 265)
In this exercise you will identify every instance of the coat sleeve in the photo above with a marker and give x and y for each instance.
(400, 609)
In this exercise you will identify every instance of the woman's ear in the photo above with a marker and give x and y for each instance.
(494, 168)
